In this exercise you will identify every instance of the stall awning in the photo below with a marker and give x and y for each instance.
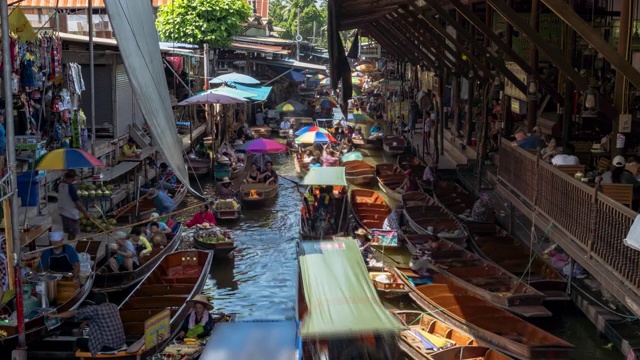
(326, 176)
(167, 48)
(261, 92)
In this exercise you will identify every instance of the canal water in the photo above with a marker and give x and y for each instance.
(260, 282)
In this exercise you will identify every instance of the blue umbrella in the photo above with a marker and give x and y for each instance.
(235, 77)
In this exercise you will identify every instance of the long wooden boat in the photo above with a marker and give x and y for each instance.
(302, 168)
(394, 145)
(197, 166)
(517, 258)
(409, 161)
(387, 284)
(146, 207)
(483, 320)
(369, 208)
(174, 280)
(239, 167)
(453, 197)
(459, 345)
(261, 131)
(425, 216)
(107, 280)
(390, 177)
(226, 209)
(220, 249)
(359, 172)
(35, 327)
(367, 144)
(258, 194)
(486, 279)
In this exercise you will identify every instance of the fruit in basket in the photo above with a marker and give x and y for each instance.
(110, 187)
(92, 187)
(83, 193)
(98, 192)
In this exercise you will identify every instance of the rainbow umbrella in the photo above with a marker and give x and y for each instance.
(313, 137)
(357, 81)
(306, 129)
(366, 68)
(263, 146)
(326, 82)
(290, 106)
(65, 159)
(356, 74)
(326, 102)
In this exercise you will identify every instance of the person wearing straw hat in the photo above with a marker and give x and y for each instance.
(198, 320)
(163, 202)
(227, 190)
(61, 258)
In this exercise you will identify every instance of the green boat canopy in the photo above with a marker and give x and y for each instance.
(333, 175)
(339, 295)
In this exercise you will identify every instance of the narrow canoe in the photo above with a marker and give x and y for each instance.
(146, 207)
(240, 166)
(107, 280)
(387, 284)
(178, 277)
(390, 177)
(369, 208)
(359, 172)
(486, 279)
(394, 145)
(220, 249)
(453, 197)
(517, 258)
(197, 166)
(226, 209)
(425, 216)
(367, 144)
(460, 345)
(486, 322)
(258, 194)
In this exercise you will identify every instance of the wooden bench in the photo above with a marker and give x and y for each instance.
(583, 151)
(571, 170)
(603, 165)
(622, 193)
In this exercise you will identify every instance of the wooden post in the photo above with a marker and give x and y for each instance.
(6, 208)
(621, 84)
(570, 46)
(532, 101)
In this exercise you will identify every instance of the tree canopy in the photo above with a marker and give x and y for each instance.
(284, 14)
(212, 22)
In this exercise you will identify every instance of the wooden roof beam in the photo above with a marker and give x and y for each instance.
(595, 39)
(387, 43)
(426, 53)
(413, 49)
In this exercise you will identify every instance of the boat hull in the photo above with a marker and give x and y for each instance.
(359, 172)
(220, 250)
(369, 208)
(197, 166)
(145, 207)
(258, 194)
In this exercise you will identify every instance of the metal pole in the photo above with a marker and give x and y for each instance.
(532, 100)
(92, 94)
(11, 160)
(621, 85)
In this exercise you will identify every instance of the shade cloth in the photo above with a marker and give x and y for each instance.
(333, 175)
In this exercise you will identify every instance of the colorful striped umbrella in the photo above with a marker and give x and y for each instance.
(313, 137)
(65, 159)
(326, 82)
(290, 106)
(263, 146)
(326, 102)
(356, 74)
(366, 68)
(306, 129)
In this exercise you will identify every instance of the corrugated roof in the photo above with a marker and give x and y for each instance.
(242, 46)
(264, 40)
(73, 4)
(114, 43)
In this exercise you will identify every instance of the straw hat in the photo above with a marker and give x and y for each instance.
(202, 299)
(225, 180)
(361, 231)
(153, 193)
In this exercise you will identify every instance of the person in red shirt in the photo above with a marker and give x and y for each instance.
(201, 217)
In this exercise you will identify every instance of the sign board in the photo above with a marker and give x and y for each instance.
(624, 123)
(509, 88)
(518, 106)
(550, 28)
(157, 329)
(384, 237)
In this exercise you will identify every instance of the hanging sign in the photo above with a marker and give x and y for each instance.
(620, 141)
(624, 123)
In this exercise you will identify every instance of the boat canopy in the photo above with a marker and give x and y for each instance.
(339, 295)
(252, 340)
(333, 175)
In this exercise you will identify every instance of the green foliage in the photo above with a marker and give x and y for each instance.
(212, 22)
(284, 14)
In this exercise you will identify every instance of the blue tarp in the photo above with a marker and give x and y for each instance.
(249, 340)
(261, 92)
(293, 74)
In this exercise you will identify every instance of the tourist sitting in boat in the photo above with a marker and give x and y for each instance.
(125, 257)
(140, 243)
(330, 158)
(158, 238)
(261, 161)
(62, 258)
(166, 177)
(253, 176)
(364, 243)
(155, 217)
(163, 202)
(201, 150)
(395, 220)
(201, 217)
(106, 332)
(227, 190)
(198, 322)
(129, 150)
(410, 183)
(308, 156)
(269, 176)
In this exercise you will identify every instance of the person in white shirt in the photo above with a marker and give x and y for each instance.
(567, 157)
(285, 125)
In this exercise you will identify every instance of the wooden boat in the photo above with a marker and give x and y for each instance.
(178, 277)
(369, 208)
(261, 131)
(220, 249)
(517, 258)
(226, 209)
(390, 178)
(107, 280)
(485, 321)
(302, 168)
(394, 145)
(258, 194)
(192, 351)
(367, 144)
(238, 168)
(425, 216)
(359, 172)
(387, 284)
(486, 279)
(453, 197)
(460, 345)
(145, 207)
(35, 327)
(197, 166)
(409, 161)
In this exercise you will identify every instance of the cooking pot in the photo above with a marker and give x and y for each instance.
(46, 287)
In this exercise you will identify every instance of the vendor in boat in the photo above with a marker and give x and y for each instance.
(106, 332)
(330, 158)
(202, 216)
(166, 177)
(158, 238)
(62, 258)
(125, 256)
(285, 125)
(253, 176)
(201, 150)
(129, 150)
(410, 183)
(155, 217)
(269, 176)
(140, 243)
(163, 202)
(364, 243)
(395, 220)
(198, 321)
(227, 190)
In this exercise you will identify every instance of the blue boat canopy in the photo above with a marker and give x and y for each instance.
(261, 93)
(249, 340)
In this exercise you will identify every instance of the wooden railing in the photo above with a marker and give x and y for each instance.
(595, 222)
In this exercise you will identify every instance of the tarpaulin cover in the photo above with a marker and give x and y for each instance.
(339, 295)
(333, 175)
(133, 23)
(261, 93)
(252, 340)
